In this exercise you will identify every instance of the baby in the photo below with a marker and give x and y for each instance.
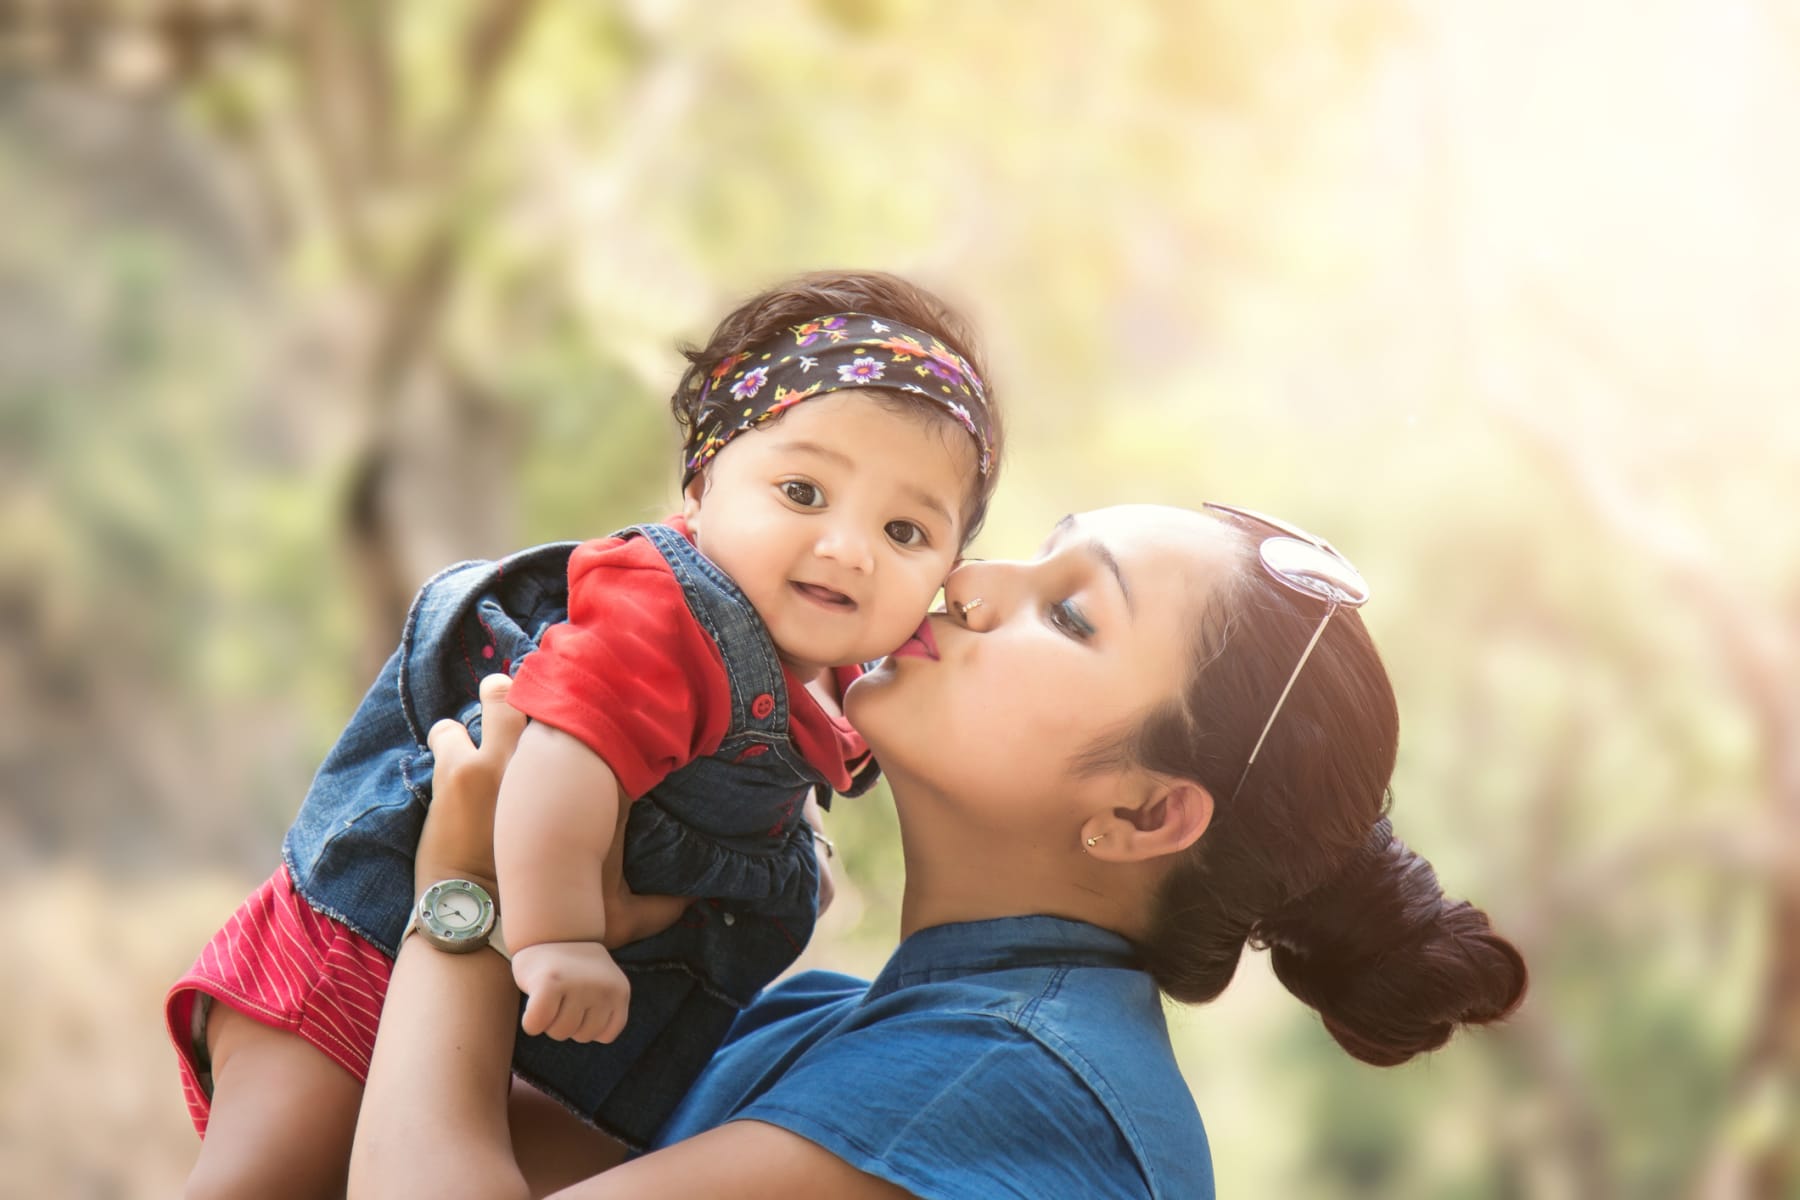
(840, 450)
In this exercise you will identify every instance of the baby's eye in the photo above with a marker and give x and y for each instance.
(1065, 616)
(806, 495)
(906, 533)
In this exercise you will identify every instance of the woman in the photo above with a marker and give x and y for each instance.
(1114, 764)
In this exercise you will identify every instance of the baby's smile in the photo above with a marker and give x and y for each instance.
(823, 596)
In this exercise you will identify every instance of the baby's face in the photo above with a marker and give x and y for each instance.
(839, 521)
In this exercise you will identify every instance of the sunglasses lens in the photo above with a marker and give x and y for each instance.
(1317, 572)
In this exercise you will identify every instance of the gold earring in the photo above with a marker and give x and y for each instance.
(963, 610)
(1093, 841)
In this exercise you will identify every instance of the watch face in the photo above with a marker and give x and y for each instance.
(457, 910)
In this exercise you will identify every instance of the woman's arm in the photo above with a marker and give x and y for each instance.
(434, 1113)
(740, 1160)
(433, 1119)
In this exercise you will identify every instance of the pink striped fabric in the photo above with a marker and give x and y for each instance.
(278, 961)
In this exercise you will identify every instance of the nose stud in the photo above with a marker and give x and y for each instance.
(964, 609)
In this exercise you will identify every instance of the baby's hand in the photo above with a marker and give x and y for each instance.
(577, 992)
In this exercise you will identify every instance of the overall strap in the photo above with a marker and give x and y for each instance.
(759, 698)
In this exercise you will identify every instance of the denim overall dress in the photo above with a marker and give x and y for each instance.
(726, 828)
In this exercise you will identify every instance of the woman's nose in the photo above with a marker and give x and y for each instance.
(978, 594)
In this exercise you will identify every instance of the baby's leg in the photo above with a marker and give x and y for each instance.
(282, 1115)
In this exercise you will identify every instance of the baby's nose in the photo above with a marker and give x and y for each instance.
(847, 546)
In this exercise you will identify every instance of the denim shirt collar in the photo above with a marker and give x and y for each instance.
(943, 952)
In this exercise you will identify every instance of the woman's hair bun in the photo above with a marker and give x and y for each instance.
(1392, 964)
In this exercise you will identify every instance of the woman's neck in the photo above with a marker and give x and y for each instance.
(953, 875)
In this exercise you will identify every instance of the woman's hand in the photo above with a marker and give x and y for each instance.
(822, 847)
(457, 841)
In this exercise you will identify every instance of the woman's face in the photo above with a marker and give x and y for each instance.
(1062, 652)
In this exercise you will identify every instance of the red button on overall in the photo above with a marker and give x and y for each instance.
(762, 706)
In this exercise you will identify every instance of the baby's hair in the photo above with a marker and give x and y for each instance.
(1302, 861)
(823, 293)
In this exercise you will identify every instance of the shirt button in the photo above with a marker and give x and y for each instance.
(729, 918)
(762, 706)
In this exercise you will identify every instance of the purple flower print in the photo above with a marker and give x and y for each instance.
(807, 333)
(942, 369)
(751, 383)
(862, 370)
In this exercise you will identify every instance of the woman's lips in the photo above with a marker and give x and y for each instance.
(922, 644)
(825, 597)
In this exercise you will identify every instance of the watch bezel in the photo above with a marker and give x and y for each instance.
(445, 937)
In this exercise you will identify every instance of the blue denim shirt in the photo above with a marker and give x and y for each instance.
(726, 827)
(1022, 1057)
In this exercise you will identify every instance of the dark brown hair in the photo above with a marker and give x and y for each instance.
(823, 293)
(1303, 861)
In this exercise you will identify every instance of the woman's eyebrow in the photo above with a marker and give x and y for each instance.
(1099, 551)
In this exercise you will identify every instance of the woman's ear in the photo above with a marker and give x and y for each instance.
(1172, 816)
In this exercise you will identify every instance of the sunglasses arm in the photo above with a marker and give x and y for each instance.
(1282, 699)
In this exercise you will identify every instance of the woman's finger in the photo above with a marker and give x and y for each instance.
(501, 723)
(457, 840)
(450, 743)
(631, 917)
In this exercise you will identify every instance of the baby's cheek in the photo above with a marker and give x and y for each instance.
(906, 606)
(928, 583)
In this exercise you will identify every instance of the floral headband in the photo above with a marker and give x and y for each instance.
(833, 354)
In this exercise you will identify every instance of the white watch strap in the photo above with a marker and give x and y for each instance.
(497, 939)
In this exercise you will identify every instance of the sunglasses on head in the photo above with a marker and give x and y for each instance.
(1306, 564)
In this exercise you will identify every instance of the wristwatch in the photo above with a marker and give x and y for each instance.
(457, 916)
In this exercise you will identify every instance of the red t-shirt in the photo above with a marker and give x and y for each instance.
(633, 675)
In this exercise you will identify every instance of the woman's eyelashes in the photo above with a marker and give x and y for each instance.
(1068, 618)
(803, 493)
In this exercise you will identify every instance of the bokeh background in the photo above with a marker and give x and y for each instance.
(300, 299)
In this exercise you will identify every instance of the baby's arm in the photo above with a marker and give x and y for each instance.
(558, 811)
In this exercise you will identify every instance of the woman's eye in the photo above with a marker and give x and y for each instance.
(1067, 617)
(805, 494)
(905, 533)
